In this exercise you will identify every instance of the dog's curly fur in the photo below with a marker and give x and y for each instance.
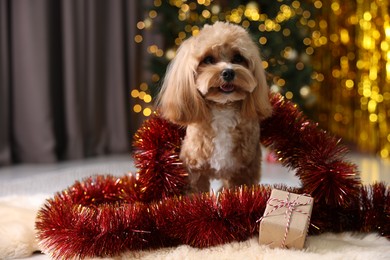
(216, 87)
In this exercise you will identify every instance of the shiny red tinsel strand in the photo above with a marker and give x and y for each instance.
(375, 209)
(106, 215)
(316, 155)
(156, 153)
(98, 216)
(204, 220)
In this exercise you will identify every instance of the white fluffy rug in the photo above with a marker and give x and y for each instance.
(17, 240)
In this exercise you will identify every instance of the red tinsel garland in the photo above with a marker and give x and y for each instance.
(105, 215)
(161, 174)
(316, 155)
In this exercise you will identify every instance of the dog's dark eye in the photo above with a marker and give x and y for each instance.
(238, 59)
(208, 60)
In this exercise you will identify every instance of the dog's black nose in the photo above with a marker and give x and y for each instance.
(227, 75)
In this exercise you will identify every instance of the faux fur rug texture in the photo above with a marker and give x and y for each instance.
(17, 240)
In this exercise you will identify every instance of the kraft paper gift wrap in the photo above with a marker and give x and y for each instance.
(286, 220)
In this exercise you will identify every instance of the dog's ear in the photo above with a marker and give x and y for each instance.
(257, 104)
(179, 100)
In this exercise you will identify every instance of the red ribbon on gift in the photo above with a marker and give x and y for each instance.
(290, 207)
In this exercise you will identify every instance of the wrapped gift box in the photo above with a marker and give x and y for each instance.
(286, 220)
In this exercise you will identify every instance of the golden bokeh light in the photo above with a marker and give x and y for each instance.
(358, 71)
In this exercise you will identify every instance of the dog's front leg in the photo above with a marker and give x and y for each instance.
(199, 181)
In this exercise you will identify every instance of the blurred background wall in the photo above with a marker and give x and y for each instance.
(78, 76)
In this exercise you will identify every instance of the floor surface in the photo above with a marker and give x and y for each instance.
(50, 178)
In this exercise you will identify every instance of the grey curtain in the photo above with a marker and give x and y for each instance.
(66, 70)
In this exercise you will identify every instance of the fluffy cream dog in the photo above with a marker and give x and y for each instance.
(216, 87)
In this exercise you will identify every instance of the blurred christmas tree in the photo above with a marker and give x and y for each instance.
(282, 29)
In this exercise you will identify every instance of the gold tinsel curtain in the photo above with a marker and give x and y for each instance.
(352, 61)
